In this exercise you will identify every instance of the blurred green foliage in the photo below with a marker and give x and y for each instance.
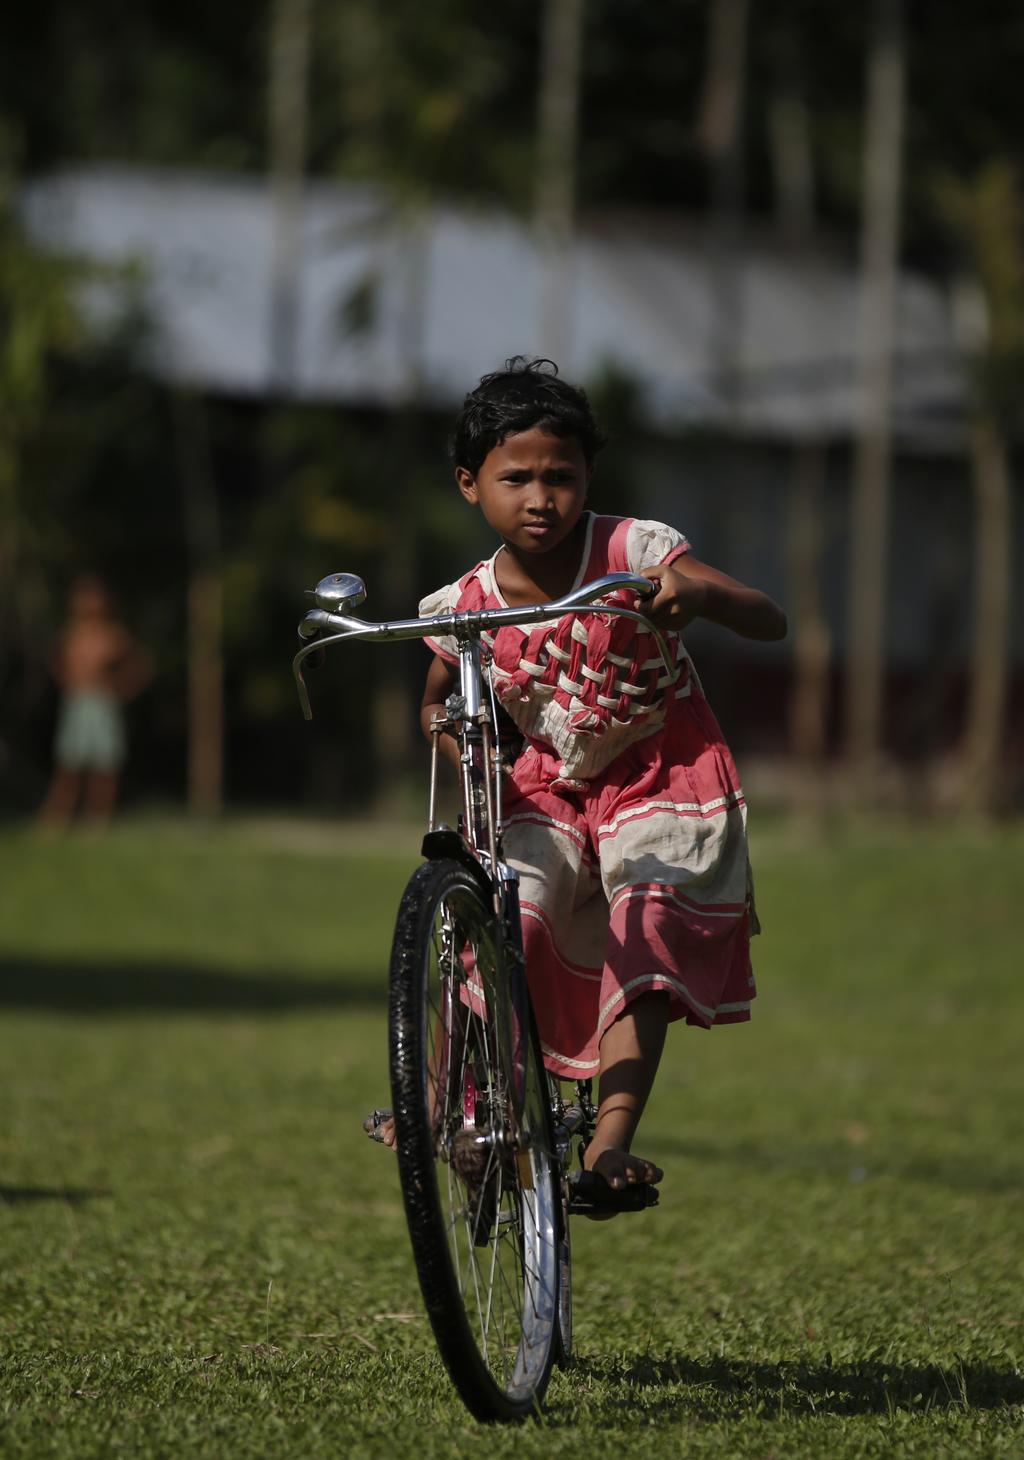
(443, 97)
(985, 215)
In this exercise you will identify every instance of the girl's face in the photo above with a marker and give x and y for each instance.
(531, 489)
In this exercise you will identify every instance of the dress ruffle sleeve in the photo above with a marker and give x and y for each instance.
(651, 543)
(442, 600)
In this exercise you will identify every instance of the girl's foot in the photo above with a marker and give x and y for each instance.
(630, 1050)
(621, 1168)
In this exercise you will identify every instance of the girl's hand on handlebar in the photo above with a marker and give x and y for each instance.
(697, 590)
(678, 601)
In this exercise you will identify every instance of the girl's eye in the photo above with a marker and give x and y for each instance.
(551, 478)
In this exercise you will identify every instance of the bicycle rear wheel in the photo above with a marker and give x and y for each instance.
(474, 1143)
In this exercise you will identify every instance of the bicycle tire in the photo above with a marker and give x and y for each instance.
(563, 1326)
(473, 1137)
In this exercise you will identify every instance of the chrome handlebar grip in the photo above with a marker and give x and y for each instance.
(312, 624)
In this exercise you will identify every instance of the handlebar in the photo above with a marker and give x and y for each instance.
(463, 626)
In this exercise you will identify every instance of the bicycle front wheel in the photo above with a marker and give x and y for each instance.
(474, 1143)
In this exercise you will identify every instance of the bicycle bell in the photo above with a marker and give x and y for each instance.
(339, 593)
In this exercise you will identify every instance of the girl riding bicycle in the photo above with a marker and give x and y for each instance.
(625, 818)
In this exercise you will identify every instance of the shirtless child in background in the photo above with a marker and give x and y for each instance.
(98, 666)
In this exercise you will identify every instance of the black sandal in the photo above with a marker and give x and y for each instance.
(589, 1192)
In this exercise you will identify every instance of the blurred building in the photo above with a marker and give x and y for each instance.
(762, 344)
(737, 359)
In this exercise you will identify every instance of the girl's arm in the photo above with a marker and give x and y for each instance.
(689, 589)
(441, 682)
(134, 670)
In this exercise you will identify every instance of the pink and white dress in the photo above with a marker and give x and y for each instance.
(624, 814)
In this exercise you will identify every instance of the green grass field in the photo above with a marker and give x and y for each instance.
(201, 1255)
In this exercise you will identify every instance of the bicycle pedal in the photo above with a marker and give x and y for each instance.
(589, 1192)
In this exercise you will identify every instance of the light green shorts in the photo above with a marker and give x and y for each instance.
(90, 732)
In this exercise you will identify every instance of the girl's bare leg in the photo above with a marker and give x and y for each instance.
(100, 796)
(61, 799)
(630, 1053)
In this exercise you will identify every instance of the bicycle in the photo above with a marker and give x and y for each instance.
(490, 1155)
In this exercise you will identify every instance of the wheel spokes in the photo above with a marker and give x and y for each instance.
(484, 1216)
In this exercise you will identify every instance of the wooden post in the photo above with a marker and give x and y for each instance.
(812, 642)
(984, 772)
(205, 653)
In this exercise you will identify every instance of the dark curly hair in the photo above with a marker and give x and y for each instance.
(527, 393)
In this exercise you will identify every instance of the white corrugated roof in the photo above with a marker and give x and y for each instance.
(452, 297)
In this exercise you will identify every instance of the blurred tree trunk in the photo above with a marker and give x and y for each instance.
(812, 644)
(288, 124)
(984, 770)
(401, 666)
(986, 214)
(10, 548)
(868, 560)
(720, 135)
(812, 641)
(205, 655)
(555, 200)
(39, 321)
